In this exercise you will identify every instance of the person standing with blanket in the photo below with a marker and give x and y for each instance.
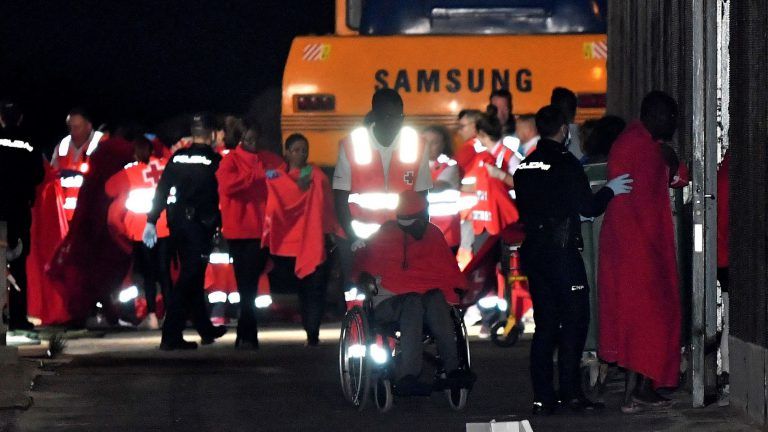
(639, 294)
(299, 218)
(243, 196)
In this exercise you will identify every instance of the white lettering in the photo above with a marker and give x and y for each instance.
(197, 159)
(534, 165)
(19, 144)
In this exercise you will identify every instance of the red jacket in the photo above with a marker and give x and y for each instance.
(408, 265)
(466, 155)
(243, 191)
(132, 190)
(495, 209)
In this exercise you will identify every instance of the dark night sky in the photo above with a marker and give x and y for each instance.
(149, 59)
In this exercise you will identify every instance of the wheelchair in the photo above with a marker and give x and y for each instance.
(367, 353)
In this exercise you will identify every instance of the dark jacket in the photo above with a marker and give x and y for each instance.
(188, 188)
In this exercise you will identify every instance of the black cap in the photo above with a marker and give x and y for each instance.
(202, 123)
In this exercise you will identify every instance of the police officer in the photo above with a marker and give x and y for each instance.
(552, 193)
(189, 191)
(21, 170)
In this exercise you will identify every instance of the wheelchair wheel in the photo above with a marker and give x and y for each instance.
(457, 398)
(382, 394)
(462, 338)
(500, 339)
(354, 366)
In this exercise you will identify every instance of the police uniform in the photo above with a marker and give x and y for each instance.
(21, 170)
(189, 191)
(552, 191)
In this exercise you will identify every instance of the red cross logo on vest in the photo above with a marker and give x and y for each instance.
(152, 173)
(408, 177)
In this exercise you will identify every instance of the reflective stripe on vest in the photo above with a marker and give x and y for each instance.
(140, 200)
(364, 229)
(94, 142)
(375, 200)
(408, 145)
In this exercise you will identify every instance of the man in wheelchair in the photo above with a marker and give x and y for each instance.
(417, 278)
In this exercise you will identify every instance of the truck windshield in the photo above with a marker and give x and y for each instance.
(391, 17)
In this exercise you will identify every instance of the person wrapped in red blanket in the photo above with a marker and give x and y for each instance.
(639, 297)
(299, 218)
(242, 198)
(88, 262)
(418, 279)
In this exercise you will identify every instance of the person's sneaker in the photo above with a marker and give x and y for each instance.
(179, 345)
(543, 409)
(216, 332)
(150, 322)
(409, 385)
(246, 345)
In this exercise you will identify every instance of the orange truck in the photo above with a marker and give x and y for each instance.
(459, 53)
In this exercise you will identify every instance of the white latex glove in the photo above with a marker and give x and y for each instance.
(150, 235)
(620, 185)
(12, 254)
(357, 245)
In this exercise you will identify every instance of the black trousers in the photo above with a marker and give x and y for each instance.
(311, 291)
(154, 267)
(192, 242)
(249, 260)
(19, 229)
(560, 293)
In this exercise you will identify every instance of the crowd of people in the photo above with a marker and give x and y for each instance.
(120, 203)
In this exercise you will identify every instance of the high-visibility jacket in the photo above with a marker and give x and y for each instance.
(133, 189)
(373, 197)
(73, 165)
(444, 206)
(492, 194)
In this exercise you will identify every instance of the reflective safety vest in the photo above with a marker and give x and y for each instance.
(73, 163)
(445, 206)
(373, 197)
(482, 214)
(136, 186)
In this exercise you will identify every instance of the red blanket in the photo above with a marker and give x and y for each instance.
(408, 265)
(639, 296)
(49, 226)
(295, 221)
(88, 262)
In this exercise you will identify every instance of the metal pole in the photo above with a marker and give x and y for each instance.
(704, 179)
(697, 170)
(710, 208)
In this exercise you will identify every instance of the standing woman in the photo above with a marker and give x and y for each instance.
(243, 195)
(446, 177)
(299, 216)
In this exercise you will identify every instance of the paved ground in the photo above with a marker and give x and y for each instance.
(122, 383)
